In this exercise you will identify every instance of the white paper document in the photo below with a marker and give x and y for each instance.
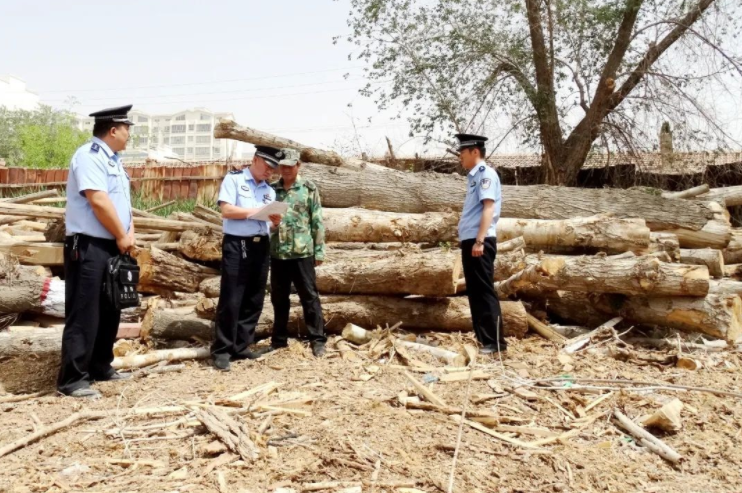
(269, 210)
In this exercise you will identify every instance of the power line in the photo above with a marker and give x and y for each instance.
(205, 82)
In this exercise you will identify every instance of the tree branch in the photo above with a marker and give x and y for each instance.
(656, 51)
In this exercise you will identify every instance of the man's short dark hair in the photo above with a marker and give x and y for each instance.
(101, 129)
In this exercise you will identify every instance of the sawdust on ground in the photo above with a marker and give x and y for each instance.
(358, 431)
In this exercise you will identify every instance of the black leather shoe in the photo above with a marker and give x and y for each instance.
(318, 350)
(253, 353)
(221, 363)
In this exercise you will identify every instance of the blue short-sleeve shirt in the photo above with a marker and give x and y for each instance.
(94, 166)
(482, 183)
(240, 189)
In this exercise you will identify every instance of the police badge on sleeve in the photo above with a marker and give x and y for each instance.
(485, 183)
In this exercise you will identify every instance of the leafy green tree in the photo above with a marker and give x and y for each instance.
(569, 76)
(44, 138)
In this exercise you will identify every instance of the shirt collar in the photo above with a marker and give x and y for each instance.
(476, 167)
(297, 183)
(249, 177)
(105, 147)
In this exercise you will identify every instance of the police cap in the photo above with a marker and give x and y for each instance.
(116, 115)
(470, 140)
(271, 155)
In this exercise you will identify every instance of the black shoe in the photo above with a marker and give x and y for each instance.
(318, 350)
(221, 362)
(254, 353)
(492, 349)
(113, 376)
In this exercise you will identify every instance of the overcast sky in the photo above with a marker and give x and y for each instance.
(272, 64)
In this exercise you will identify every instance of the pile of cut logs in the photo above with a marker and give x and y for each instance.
(577, 256)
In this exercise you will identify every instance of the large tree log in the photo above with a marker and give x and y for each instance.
(725, 286)
(49, 254)
(422, 273)
(730, 196)
(715, 234)
(33, 294)
(431, 314)
(348, 225)
(228, 129)
(600, 232)
(162, 272)
(430, 192)
(733, 252)
(203, 245)
(718, 315)
(140, 223)
(645, 275)
(663, 242)
(711, 258)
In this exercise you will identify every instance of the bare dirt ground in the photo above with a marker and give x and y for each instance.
(340, 419)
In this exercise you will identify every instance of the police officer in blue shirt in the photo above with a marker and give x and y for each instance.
(477, 236)
(245, 257)
(99, 226)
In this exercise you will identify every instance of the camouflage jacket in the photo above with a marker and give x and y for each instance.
(301, 233)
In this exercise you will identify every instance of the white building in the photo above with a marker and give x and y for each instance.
(15, 96)
(187, 135)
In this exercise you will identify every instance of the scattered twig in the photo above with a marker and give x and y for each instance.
(647, 439)
(652, 385)
(461, 425)
(50, 430)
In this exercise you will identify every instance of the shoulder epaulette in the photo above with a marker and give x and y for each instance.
(310, 185)
(235, 172)
(95, 147)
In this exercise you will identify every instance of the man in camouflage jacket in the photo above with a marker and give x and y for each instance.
(297, 245)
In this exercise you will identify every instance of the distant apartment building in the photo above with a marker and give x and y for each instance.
(187, 135)
(15, 96)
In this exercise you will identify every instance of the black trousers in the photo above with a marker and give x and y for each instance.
(486, 316)
(299, 271)
(245, 262)
(91, 322)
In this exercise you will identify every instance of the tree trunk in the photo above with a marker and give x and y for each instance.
(573, 307)
(205, 246)
(718, 315)
(427, 314)
(227, 129)
(725, 286)
(430, 192)
(713, 259)
(33, 294)
(424, 273)
(733, 252)
(600, 232)
(714, 234)
(140, 223)
(663, 242)
(729, 196)
(646, 275)
(162, 272)
(360, 225)
(35, 253)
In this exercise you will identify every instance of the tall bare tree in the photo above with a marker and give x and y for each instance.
(570, 76)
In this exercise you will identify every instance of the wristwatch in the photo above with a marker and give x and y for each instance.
(479, 243)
